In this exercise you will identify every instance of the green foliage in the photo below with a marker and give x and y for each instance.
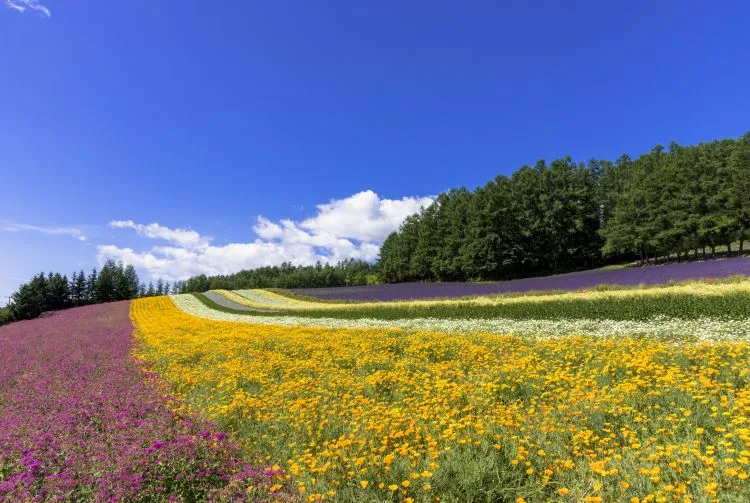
(5, 317)
(566, 216)
(345, 273)
(54, 291)
(544, 218)
(681, 199)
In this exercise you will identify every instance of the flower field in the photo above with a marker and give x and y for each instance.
(81, 421)
(604, 395)
(572, 281)
(592, 396)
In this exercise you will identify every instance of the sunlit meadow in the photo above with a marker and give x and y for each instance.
(360, 414)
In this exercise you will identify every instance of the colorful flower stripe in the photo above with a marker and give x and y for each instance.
(81, 421)
(267, 298)
(367, 415)
(677, 329)
(631, 276)
(225, 299)
(695, 289)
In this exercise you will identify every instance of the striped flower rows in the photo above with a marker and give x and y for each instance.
(266, 299)
(382, 414)
(671, 328)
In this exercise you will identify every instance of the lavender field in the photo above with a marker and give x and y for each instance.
(80, 420)
(631, 276)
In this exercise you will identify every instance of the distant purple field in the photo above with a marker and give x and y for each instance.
(632, 276)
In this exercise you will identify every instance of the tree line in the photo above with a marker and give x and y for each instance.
(344, 273)
(116, 281)
(561, 216)
(54, 291)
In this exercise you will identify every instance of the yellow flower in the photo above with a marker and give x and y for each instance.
(334, 405)
(563, 491)
(406, 483)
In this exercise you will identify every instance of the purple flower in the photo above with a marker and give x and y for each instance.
(631, 276)
(78, 414)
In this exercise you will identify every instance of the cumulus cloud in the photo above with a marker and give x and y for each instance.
(363, 216)
(353, 227)
(185, 238)
(50, 230)
(24, 5)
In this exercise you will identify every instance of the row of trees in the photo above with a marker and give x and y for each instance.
(116, 281)
(56, 291)
(682, 199)
(565, 215)
(345, 273)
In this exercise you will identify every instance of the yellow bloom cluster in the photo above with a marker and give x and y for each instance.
(385, 415)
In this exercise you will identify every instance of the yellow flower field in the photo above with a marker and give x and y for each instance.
(388, 415)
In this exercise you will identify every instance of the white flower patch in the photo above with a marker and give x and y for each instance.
(701, 329)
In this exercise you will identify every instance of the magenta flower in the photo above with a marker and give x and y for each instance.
(79, 419)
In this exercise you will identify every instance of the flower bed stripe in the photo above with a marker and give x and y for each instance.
(631, 276)
(383, 415)
(81, 421)
(680, 329)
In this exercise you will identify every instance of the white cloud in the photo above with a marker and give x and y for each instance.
(353, 227)
(183, 237)
(50, 230)
(23, 5)
(363, 216)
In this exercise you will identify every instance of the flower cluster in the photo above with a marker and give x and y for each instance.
(628, 276)
(81, 420)
(704, 328)
(361, 414)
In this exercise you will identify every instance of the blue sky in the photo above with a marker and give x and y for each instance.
(201, 116)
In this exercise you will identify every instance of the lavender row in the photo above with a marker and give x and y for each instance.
(631, 276)
(79, 420)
